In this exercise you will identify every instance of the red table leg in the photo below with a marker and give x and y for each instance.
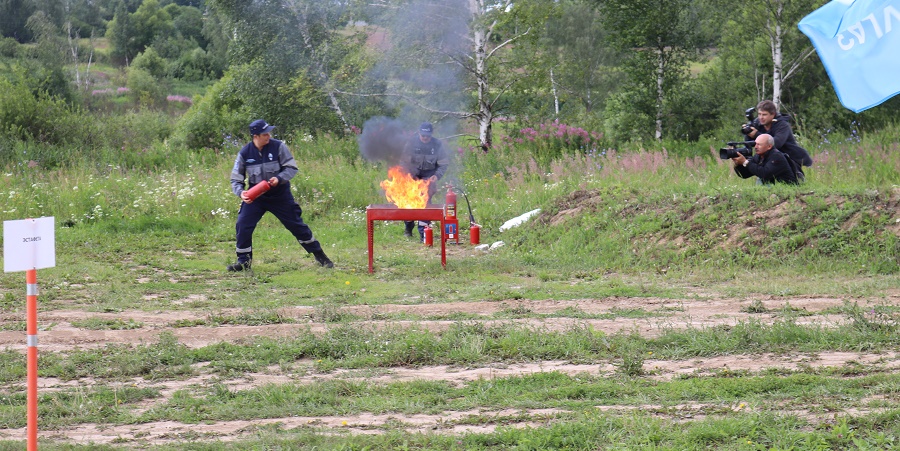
(370, 226)
(388, 212)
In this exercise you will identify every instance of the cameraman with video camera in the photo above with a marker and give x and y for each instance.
(770, 122)
(769, 164)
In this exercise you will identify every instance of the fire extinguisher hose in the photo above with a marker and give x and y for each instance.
(469, 206)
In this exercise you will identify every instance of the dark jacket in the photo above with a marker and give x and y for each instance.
(422, 160)
(784, 139)
(770, 168)
(255, 165)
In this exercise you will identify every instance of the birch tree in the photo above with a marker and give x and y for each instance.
(282, 55)
(778, 19)
(660, 34)
(82, 79)
(486, 17)
(465, 44)
(582, 64)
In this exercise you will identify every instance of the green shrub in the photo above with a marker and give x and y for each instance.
(45, 129)
(9, 47)
(144, 88)
(216, 120)
(135, 130)
(26, 115)
(151, 62)
(194, 65)
(624, 122)
(295, 105)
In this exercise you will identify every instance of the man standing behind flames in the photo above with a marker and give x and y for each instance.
(424, 158)
(768, 121)
(265, 158)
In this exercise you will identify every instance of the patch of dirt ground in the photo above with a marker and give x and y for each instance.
(662, 314)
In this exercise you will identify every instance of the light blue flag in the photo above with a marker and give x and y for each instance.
(858, 41)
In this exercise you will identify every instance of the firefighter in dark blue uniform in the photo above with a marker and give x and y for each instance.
(424, 158)
(265, 158)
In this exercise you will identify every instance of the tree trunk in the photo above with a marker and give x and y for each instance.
(660, 72)
(777, 40)
(588, 99)
(337, 109)
(485, 115)
(81, 81)
(555, 96)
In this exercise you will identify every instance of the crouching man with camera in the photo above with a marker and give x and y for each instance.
(769, 164)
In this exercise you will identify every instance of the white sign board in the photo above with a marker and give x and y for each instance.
(29, 244)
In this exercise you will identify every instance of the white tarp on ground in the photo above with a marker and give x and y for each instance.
(518, 220)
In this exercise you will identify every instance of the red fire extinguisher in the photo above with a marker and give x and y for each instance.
(474, 229)
(451, 224)
(474, 234)
(429, 236)
(258, 189)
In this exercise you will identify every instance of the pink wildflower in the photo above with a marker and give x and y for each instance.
(182, 99)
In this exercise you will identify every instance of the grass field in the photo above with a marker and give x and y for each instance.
(656, 302)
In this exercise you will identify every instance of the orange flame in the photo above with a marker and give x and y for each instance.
(402, 190)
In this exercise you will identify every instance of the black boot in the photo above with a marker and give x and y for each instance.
(323, 259)
(409, 228)
(239, 266)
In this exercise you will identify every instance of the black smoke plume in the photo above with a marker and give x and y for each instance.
(382, 139)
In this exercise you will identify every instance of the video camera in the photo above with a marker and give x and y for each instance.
(732, 150)
(750, 114)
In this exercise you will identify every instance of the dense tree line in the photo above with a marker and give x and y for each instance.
(633, 69)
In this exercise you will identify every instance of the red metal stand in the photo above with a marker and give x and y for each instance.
(389, 212)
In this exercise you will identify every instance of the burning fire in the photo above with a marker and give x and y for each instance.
(402, 190)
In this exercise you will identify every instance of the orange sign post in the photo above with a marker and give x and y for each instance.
(31, 330)
(27, 246)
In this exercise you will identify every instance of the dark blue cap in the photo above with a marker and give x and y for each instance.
(426, 129)
(259, 126)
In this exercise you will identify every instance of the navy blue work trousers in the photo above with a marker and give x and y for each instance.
(280, 203)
